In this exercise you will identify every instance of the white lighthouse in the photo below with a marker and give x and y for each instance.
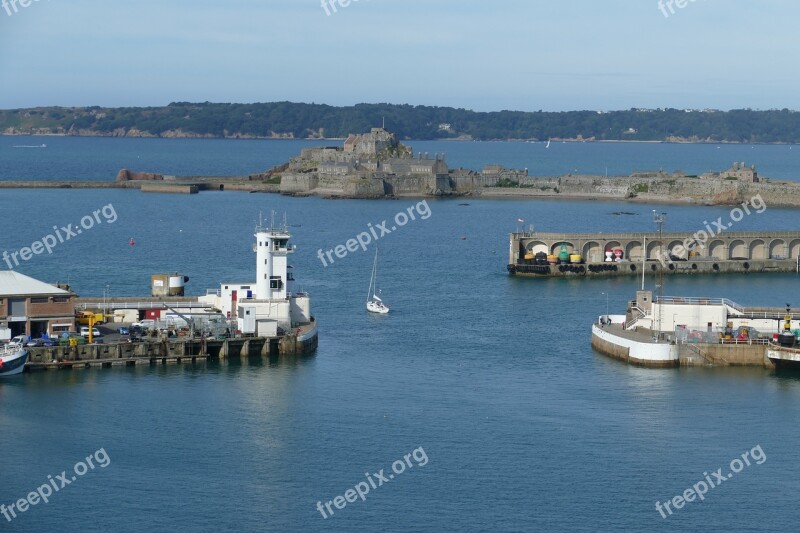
(272, 251)
(268, 307)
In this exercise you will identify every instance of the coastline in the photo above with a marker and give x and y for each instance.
(173, 185)
(453, 139)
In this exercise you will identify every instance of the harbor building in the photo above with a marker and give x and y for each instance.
(33, 308)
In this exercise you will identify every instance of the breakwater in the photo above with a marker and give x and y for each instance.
(535, 254)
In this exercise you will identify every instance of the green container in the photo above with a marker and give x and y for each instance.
(563, 255)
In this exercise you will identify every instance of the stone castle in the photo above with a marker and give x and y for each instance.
(376, 164)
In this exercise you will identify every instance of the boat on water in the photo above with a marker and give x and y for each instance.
(784, 349)
(31, 146)
(12, 359)
(374, 302)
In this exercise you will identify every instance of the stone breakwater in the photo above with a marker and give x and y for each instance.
(627, 188)
(650, 189)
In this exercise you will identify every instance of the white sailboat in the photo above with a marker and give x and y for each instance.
(374, 302)
(548, 143)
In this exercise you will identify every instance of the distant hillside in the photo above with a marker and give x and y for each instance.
(293, 120)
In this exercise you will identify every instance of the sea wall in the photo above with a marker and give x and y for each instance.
(633, 351)
(298, 183)
(364, 188)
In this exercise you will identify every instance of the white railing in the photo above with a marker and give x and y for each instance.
(642, 314)
(149, 304)
(10, 349)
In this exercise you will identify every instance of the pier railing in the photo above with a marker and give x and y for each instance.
(773, 313)
(641, 314)
(146, 304)
(652, 235)
(677, 300)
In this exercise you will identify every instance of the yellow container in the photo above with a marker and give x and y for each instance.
(529, 256)
(575, 258)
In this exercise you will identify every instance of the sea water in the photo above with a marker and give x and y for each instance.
(523, 426)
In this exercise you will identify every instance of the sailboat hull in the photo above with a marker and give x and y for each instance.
(376, 307)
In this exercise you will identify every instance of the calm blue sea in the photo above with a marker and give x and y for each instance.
(523, 426)
(71, 158)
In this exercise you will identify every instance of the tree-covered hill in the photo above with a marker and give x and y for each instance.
(297, 120)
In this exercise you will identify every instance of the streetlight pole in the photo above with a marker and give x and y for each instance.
(659, 219)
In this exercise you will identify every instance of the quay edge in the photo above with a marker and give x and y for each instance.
(683, 331)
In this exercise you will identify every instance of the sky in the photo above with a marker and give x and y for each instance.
(526, 55)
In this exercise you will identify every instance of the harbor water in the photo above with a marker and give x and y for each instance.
(490, 378)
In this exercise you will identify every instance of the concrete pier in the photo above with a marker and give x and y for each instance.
(172, 351)
(639, 349)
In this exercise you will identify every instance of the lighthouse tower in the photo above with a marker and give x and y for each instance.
(272, 251)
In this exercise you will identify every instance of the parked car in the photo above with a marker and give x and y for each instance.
(95, 332)
(19, 339)
(147, 323)
(38, 343)
(123, 330)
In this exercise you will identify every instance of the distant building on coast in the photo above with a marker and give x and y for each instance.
(738, 171)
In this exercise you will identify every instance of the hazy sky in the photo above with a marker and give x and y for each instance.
(483, 55)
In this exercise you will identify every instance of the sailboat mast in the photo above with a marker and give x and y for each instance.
(372, 277)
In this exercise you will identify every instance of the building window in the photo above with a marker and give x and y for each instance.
(275, 282)
(58, 300)
(40, 300)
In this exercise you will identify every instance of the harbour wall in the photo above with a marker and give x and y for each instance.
(636, 348)
(302, 342)
(671, 253)
(634, 351)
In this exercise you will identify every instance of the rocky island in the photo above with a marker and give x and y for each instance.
(377, 165)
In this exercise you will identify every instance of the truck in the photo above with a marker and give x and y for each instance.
(90, 318)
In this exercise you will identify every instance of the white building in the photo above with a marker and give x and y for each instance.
(262, 307)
